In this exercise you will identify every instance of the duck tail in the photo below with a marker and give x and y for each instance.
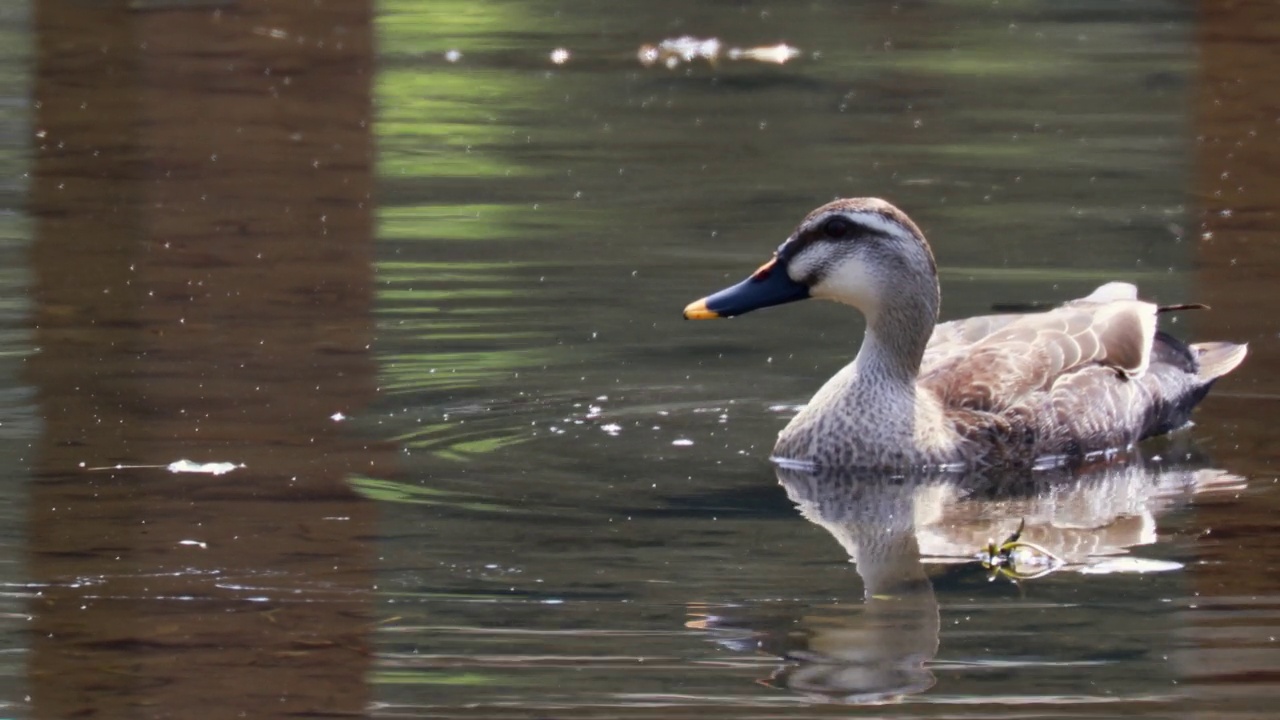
(1215, 359)
(1182, 306)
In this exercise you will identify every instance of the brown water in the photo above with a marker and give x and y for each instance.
(431, 302)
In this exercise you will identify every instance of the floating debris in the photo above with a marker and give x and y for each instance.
(177, 466)
(1018, 559)
(560, 56)
(612, 429)
(682, 442)
(186, 466)
(452, 56)
(673, 52)
(684, 49)
(778, 54)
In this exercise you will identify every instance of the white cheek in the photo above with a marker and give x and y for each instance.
(850, 282)
(801, 266)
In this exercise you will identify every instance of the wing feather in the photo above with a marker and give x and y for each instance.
(994, 362)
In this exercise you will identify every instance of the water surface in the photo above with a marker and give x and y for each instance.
(425, 283)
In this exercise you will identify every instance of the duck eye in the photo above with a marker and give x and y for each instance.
(837, 227)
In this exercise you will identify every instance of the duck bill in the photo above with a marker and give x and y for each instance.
(770, 285)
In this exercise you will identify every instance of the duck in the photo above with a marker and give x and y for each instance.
(1092, 376)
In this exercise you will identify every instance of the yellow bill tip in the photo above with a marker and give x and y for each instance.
(698, 310)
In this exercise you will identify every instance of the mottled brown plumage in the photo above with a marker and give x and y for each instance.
(1016, 389)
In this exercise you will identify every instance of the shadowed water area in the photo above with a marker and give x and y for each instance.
(414, 271)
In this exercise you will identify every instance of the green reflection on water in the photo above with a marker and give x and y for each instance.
(15, 151)
(985, 62)
(413, 26)
(459, 369)
(15, 132)
(436, 119)
(391, 491)
(408, 270)
(452, 222)
(431, 310)
(456, 321)
(442, 123)
(433, 677)
(415, 295)
(448, 441)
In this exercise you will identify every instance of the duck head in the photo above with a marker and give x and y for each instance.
(862, 252)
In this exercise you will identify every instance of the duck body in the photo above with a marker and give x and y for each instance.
(1092, 375)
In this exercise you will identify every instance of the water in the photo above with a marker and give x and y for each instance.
(425, 284)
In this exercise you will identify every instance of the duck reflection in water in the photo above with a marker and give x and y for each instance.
(891, 526)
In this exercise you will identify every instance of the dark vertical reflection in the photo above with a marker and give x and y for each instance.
(1238, 189)
(1237, 126)
(202, 267)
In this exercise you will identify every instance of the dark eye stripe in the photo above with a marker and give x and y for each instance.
(816, 231)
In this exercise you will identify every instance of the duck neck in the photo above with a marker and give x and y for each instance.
(867, 413)
(897, 333)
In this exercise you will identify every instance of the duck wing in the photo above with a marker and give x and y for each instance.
(1092, 374)
(995, 361)
(957, 338)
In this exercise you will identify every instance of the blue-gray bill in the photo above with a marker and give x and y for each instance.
(770, 285)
